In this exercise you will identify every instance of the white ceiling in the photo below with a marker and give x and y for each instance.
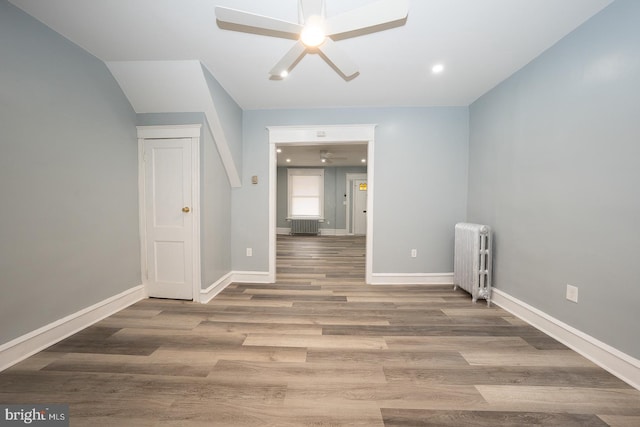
(480, 42)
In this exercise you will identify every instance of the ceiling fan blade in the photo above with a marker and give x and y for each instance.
(289, 60)
(371, 15)
(309, 8)
(247, 19)
(338, 59)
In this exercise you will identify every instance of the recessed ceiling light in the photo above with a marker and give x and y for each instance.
(288, 160)
(278, 150)
(364, 160)
(323, 160)
(437, 69)
(284, 74)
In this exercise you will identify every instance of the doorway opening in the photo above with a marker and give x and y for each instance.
(327, 141)
(356, 193)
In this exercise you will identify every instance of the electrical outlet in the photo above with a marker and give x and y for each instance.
(572, 293)
(249, 252)
(414, 253)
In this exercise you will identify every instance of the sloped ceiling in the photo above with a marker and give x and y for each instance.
(177, 87)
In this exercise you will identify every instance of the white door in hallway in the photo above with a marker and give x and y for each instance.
(359, 192)
(169, 217)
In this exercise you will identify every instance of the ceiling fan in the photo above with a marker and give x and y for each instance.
(328, 157)
(316, 32)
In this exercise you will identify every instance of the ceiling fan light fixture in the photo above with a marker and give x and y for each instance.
(437, 69)
(313, 33)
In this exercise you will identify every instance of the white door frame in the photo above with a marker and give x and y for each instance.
(350, 177)
(191, 132)
(314, 135)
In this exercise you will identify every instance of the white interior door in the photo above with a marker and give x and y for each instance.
(169, 220)
(359, 192)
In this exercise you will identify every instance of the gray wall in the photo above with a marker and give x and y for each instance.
(215, 197)
(68, 179)
(420, 184)
(335, 181)
(216, 214)
(554, 168)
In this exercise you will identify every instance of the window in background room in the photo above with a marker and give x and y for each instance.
(306, 193)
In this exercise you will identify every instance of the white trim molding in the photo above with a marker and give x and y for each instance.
(252, 277)
(620, 364)
(169, 131)
(323, 231)
(218, 286)
(333, 232)
(412, 279)
(31, 343)
(221, 284)
(312, 135)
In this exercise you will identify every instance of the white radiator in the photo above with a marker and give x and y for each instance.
(472, 260)
(304, 226)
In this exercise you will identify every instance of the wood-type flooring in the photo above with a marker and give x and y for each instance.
(320, 348)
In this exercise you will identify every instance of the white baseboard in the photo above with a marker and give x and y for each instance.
(208, 294)
(323, 231)
(252, 277)
(620, 364)
(26, 345)
(333, 232)
(412, 279)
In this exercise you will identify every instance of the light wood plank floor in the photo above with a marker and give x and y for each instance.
(320, 348)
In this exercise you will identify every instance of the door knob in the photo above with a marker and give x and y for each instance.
(186, 209)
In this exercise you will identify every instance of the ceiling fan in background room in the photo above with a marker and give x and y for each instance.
(328, 157)
(316, 33)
